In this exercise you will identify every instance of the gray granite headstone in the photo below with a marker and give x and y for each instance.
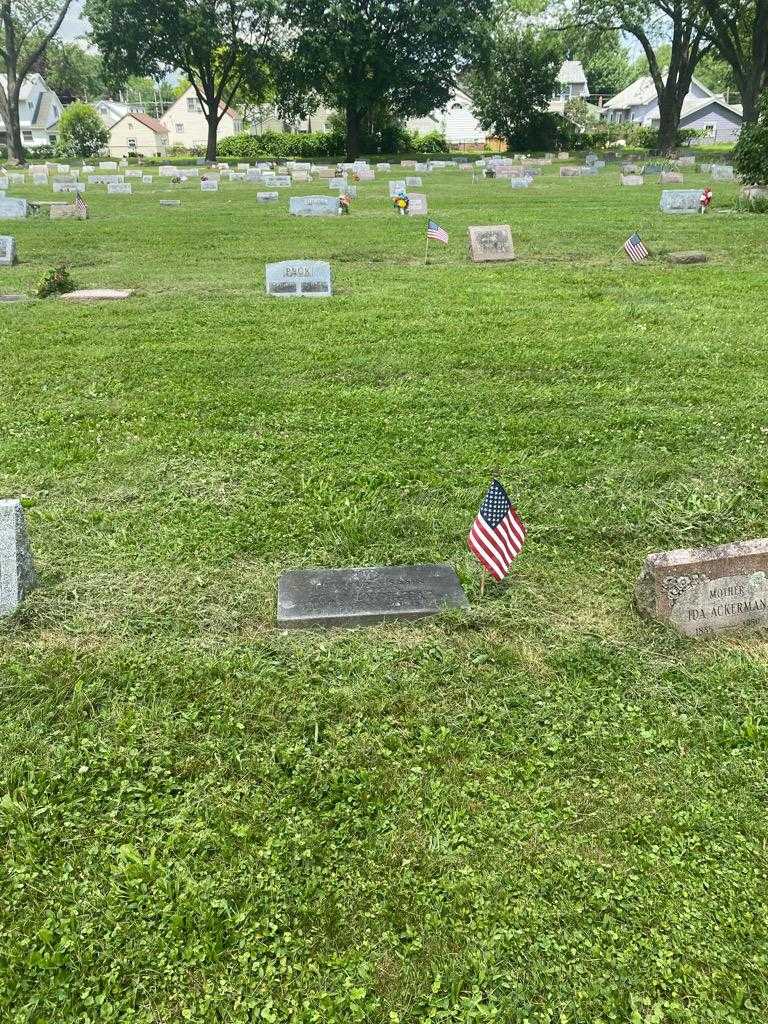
(417, 204)
(413, 181)
(722, 172)
(680, 200)
(520, 182)
(396, 186)
(105, 179)
(267, 197)
(170, 202)
(7, 250)
(701, 591)
(69, 186)
(17, 573)
(630, 180)
(13, 209)
(314, 206)
(491, 243)
(336, 183)
(119, 188)
(209, 185)
(309, 279)
(361, 597)
(570, 172)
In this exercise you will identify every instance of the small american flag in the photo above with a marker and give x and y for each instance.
(435, 232)
(635, 249)
(497, 535)
(81, 206)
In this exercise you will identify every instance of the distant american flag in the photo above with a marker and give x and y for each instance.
(437, 233)
(497, 535)
(80, 205)
(635, 249)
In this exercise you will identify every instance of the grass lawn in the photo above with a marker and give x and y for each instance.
(545, 810)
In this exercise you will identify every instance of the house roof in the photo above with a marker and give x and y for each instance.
(692, 106)
(34, 87)
(571, 73)
(146, 120)
(643, 91)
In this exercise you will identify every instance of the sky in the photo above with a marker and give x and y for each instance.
(73, 25)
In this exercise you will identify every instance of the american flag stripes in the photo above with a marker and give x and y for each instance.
(80, 205)
(497, 535)
(635, 249)
(436, 233)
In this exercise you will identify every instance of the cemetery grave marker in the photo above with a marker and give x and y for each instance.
(722, 172)
(384, 167)
(671, 178)
(631, 180)
(680, 201)
(337, 183)
(108, 165)
(39, 179)
(17, 571)
(106, 179)
(267, 197)
(119, 188)
(686, 161)
(364, 596)
(413, 182)
(396, 186)
(570, 172)
(210, 185)
(491, 243)
(685, 258)
(299, 278)
(146, 179)
(132, 174)
(280, 181)
(314, 206)
(97, 295)
(520, 182)
(13, 209)
(7, 250)
(417, 204)
(170, 202)
(702, 591)
(69, 186)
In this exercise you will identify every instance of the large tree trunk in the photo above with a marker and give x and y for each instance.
(354, 117)
(669, 121)
(751, 87)
(213, 135)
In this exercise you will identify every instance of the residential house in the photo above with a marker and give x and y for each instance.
(139, 134)
(456, 121)
(702, 110)
(571, 85)
(267, 119)
(110, 111)
(186, 124)
(39, 112)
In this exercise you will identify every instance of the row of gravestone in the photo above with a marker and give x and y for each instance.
(698, 591)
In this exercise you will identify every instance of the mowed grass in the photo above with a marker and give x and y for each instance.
(545, 810)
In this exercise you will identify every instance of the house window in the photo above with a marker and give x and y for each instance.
(130, 126)
(711, 130)
(238, 126)
(131, 143)
(179, 129)
(52, 139)
(26, 136)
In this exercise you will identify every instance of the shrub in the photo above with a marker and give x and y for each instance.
(281, 145)
(750, 157)
(432, 142)
(543, 132)
(81, 132)
(55, 281)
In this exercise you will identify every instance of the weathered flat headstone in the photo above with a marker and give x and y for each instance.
(98, 295)
(108, 165)
(722, 172)
(361, 597)
(701, 591)
(13, 209)
(39, 179)
(570, 172)
(520, 182)
(299, 279)
(7, 250)
(119, 188)
(413, 181)
(302, 177)
(491, 243)
(671, 178)
(132, 174)
(38, 168)
(281, 181)
(146, 179)
(563, 155)
(267, 197)
(684, 258)
(680, 201)
(314, 206)
(170, 202)
(337, 183)
(396, 186)
(209, 186)
(13, 298)
(69, 186)
(417, 204)
(631, 180)
(384, 167)
(17, 572)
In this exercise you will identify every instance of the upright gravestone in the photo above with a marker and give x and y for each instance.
(686, 161)
(491, 243)
(336, 183)
(521, 182)
(13, 209)
(701, 591)
(396, 186)
(570, 172)
(417, 204)
(413, 182)
(680, 201)
(671, 178)
(69, 186)
(7, 250)
(209, 186)
(631, 180)
(313, 206)
(309, 279)
(722, 172)
(119, 188)
(39, 179)
(108, 165)
(17, 572)
(146, 179)
(384, 167)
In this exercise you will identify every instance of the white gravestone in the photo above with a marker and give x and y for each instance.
(413, 182)
(119, 188)
(396, 187)
(209, 186)
(630, 180)
(7, 250)
(39, 179)
(69, 186)
(314, 206)
(146, 179)
(336, 183)
(417, 204)
(680, 201)
(13, 209)
(108, 165)
(299, 278)
(281, 181)
(17, 572)
(722, 172)
(133, 174)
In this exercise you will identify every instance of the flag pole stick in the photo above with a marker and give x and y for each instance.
(426, 249)
(482, 584)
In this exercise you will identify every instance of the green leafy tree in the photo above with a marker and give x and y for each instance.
(512, 88)
(681, 23)
(751, 153)
(739, 30)
(219, 45)
(81, 132)
(26, 29)
(72, 72)
(357, 55)
(604, 58)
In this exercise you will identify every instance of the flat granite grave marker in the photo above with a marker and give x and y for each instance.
(630, 180)
(13, 209)
(722, 172)
(313, 206)
(687, 257)
(671, 178)
(146, 179)
(417, 204)
(491, 243)
(680, 201)
(17, 572)
(97, 295)
(209, 185)
(7, 250)
(267, 197)
(396, 186)
(365, 596)
(69, 186)
(299, 278)
(170, 202)
(700, 591)
(337, 183)
(120, 188)
(413, 182)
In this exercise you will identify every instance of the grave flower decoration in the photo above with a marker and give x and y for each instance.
(175, 180)
(401, 203)
(705, 199)
(344, 202)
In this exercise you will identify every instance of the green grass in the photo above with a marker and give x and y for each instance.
(545, 810)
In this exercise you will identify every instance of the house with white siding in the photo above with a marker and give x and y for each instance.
(571, 85)
(187, 126)
(138, 135)
(110, 111)
(456, 121)
(39, 111)
(703, 110)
